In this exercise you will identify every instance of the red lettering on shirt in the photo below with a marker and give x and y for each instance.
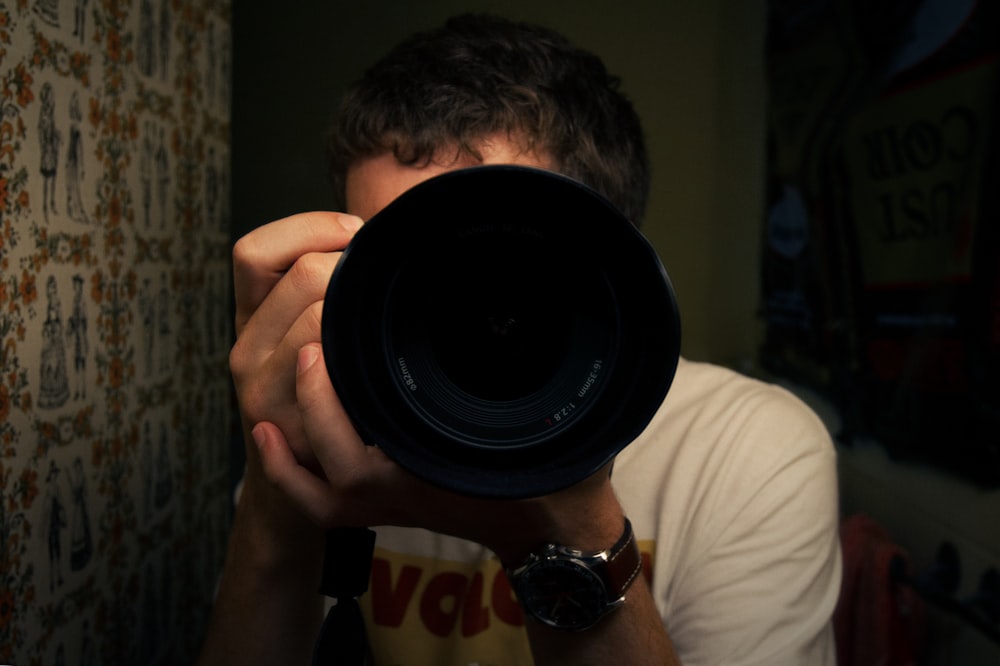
(389, 603)
(475, 616)
(504, 602)
(448, 602)
(441, 602)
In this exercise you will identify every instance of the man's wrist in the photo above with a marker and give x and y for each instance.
(274, 535)
(588, 519)
(572, 589)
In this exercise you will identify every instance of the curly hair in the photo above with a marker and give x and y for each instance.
(480, 76)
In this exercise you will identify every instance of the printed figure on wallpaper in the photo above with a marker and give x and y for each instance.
(224, 435)
(147, 315)
(79, 19)
(154, 162)
(167, 574)
(157, 606)
(211, 561)
(48, 11)
(157, 474)
(211, 305)
(49, 139)
(225, 68)
(217, 77)
(146, 464)
(212, 459)
(163, 323)
(150, 621)
(74, 163)
(211, 67)
(162, 164)
(53, 524)
(145, 44)
(205, 458)
(77, 333)
(154, 310)
(88, 651)
(54, 387)
(223, 321)
(153, 52)
(81, 543)
(216, 311)
(146, 172)
(216, 195)
(163, 486)
(164, 37)
(211, 185)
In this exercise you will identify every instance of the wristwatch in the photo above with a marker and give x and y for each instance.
(570, 589)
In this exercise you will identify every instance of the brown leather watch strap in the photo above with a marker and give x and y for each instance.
(624, 562)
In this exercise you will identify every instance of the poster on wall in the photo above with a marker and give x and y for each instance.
(880, 256)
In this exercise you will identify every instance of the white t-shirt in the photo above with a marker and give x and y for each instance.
(732, 493)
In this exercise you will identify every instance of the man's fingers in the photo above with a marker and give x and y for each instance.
(304, 283)
(341, 492)
(337, 446)
(262, 257)
(281, 357)
(248, 360)
(311, 493)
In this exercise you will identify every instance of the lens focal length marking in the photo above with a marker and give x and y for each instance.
(563, 414)
(591, 379)
(405, 375)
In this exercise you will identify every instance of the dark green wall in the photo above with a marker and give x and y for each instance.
(693, 70)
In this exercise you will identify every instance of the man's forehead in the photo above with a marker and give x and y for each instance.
(373, 182)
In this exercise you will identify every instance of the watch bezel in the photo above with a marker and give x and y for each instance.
(543, 573)
(597, 584)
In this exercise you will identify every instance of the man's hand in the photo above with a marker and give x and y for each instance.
(268, 609)
(308, 469)
(281, 272)
(308, 445)
(358, 485)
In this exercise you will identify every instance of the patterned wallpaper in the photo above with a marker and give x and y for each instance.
(115, 321)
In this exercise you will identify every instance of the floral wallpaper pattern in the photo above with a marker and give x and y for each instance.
(115, 320)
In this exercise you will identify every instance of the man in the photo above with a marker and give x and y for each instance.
(730, 492)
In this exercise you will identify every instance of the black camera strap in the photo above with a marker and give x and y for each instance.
(347, 563)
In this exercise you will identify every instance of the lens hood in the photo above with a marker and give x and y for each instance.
(500, 331)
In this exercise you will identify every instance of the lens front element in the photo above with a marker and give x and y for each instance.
(500, 331)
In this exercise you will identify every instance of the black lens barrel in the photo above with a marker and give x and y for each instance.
(500, 331)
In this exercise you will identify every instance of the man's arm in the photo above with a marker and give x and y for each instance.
(308, 469)
(633, 634)
(268, 608)
(360, 486)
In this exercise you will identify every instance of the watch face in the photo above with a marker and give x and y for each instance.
(563, 593)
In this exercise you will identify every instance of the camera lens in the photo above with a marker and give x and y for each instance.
(494, 351)
(500, 331)
(492, 332)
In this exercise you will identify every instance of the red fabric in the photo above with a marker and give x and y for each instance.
(878, 621)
